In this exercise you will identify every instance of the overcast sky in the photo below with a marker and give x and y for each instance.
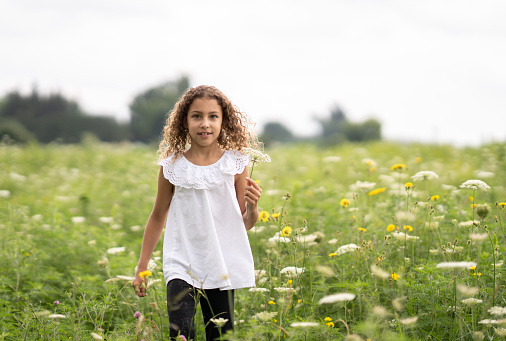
(429, 71)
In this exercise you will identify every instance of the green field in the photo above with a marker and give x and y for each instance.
(72, 219)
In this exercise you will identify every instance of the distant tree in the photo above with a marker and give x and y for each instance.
(276, 132)
(148, 109)
(365, 131)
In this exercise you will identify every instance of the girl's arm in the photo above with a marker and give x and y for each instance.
(154, 228)
(248, 193)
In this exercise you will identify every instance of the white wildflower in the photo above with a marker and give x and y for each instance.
(325, 270)
(151, 265)
(363, 185)
(219, 321)
(347, 248)
(258, 290)
(333, 241)
(475, 184)
(404, 236)
(115, 250)
(265, 316)
(307, 239)
(37, 217)
(448, 187)
(331, 159)
(291, 271)
(433, 251)
(380, 311)
(103, 261)
(432, 225)
(497, 311)
(455, 265)
(469, 223)
(78, 220)
(260, 273)
(478, 236)
(424, 175)
(57, 316)
(96, 336)
(304, 324)
(408, 321)
(17, 177)
(484, 174)
(378, 272)
(256, 156)
(105, 220)
(116, 226)
(340, 297)
(405, 217)
(488, 321)
(284, 290)
(5, 193)
(500, 331)
(135, 228)
(278, 239)
(467, 291)
(471, 301)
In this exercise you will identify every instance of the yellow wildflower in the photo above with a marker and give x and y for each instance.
(289, 282)
(263, 216)
(327, 319)
(145, 273)
(395, 276)
(398, 166)
(372, 169)
(333, 254)
(330, 324)
(362, 229)
(408, 227)
(408, 184)
(286, 231)
(377, 191)
(502, 204)
(275, 215)
(344, 202)
(434, 197)
(474, 205)
(418, 159)
(272, 302)
(471, 198)
(472, 268)
(27, 254)
(477, 274)
(390, 227)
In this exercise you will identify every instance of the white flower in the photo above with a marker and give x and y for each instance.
(347, 248)
(151, 265)
(260, 273)
(487, 321)
(278, 239)
(306, 239)
(291, 271)
(96, 336)
(497, 311)
(467, 291)
(475, 184)
(380, 311)
(363, 185)
(284, 290)
(105, 220)
(409, 320)
(471, 301)
(256, 156)
(331, 159)
(265, 316)
(258, 290)
(304, 324)
(92, 242)
(448, 187)
(219, 321)
(332, 241)
(341, 297)
(484, 174)
(78, 220)
(114, 250)
(57, 316)
(424, 175)
(455, 265)
(17, 177)
(378, 272)
(500, 331)
(37, 217)
(469, 223)
(403, 236)
(5, 193)
(103, 261)
(135, 228)
(478, 236)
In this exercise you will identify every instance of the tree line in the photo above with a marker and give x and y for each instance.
(55, 118)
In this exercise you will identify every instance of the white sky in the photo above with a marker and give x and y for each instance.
(429, 71)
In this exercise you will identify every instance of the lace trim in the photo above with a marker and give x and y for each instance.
(181, 172)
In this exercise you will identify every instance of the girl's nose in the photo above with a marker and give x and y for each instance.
(205, 123)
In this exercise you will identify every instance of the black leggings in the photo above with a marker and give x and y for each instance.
(181, 303)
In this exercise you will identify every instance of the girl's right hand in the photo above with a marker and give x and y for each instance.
(140, 285)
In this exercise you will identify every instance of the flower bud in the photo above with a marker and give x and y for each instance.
(483, 210)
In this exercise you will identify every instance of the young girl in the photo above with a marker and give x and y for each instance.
(202, 196)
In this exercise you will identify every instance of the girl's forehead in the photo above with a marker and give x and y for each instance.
(205, 102)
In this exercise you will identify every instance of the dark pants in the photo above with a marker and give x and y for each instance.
(182, 299)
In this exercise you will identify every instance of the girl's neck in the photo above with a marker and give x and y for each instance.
(203, 156)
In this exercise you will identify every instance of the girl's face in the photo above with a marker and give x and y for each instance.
(204, 122)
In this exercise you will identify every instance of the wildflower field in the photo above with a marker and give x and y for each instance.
(360, 242)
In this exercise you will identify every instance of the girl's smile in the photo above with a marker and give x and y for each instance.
(204, 121)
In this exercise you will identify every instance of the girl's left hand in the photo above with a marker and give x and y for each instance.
(252, 192)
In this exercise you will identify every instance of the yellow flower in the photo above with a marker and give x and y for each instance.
(434, 197)
(502, 204)
(472, 268)
(275, 215)
(344, 202)
(286, 231)
(471, 198)
(272, 302)
(372, 169)
(299, 301)
(27, 254)
(327, 319)
(477, 274)
(362, 229)
(330, 324)
(332, 254)
(145, 273)
(395, 276)
(289, 282)
(474, 205)
(418, 159)
(377, 191)
(398, 166)
(408, 227)
(408, 184)
(390, 227)
(263, 216)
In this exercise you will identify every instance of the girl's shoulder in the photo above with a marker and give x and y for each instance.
(181, 172)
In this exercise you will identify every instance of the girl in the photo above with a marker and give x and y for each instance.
(202, 196)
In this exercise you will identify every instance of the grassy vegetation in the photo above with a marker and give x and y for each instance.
(72, 217)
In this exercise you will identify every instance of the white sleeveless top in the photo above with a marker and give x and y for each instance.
(205, 241)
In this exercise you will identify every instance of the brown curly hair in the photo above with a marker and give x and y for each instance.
(237, 129)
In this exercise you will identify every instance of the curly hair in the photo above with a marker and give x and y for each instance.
(237, 129)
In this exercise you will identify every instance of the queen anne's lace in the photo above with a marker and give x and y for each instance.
(181, 172)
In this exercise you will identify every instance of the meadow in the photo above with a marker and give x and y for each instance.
(378, 241)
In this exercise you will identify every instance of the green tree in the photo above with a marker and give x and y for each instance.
(276, 132)
(148, 109)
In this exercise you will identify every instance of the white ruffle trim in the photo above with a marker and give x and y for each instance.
(181, 172)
